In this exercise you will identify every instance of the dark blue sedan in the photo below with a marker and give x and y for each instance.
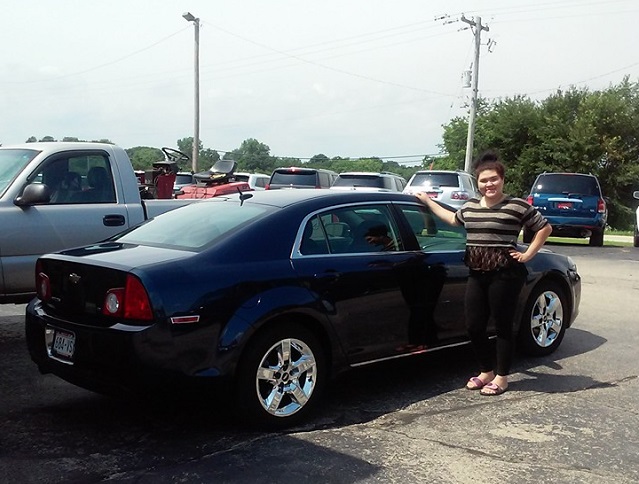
(271, 292)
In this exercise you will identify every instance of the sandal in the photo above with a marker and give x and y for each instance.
(475, 383)
(494, 390)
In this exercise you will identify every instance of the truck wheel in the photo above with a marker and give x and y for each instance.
(596, 238)
(543, 322)
(280, 377)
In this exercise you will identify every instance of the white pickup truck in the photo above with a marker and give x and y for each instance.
(55, 196)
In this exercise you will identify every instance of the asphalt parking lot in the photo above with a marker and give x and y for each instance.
(570, 417)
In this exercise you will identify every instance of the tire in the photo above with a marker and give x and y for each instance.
(528, 236)
(280, 377)
(543, 323)
(596, 238)
(635, 241)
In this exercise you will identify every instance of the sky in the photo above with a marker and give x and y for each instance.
(348, 78)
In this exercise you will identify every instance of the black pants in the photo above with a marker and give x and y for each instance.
(493, 294)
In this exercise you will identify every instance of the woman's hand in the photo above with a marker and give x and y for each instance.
(522, 257)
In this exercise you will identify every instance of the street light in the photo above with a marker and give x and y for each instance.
(189, 17)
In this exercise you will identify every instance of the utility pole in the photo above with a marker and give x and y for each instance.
(189, 17)
(473, 105)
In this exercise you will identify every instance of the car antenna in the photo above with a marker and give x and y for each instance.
(243, 196)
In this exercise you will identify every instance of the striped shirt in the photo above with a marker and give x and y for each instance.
(499, 225)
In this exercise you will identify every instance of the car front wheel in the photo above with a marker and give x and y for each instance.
(636, 238)
(543, 322)
(280, 377)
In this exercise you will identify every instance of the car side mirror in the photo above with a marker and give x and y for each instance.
(34, 194)
(636, 194)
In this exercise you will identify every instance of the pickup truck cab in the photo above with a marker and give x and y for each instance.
(55, 196)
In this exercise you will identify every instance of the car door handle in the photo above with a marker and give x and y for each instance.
(329, 276)
(113, 220)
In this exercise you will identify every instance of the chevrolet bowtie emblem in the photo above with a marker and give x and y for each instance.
(74, 278)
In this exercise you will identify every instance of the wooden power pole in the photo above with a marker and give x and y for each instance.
(478, 27)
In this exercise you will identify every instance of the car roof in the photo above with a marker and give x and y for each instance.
(246, 173)
(301, 168)
(444, 171)
(284, 198)
(367, 173)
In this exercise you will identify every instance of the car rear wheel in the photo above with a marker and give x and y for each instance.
(543, 322)
(596, 238)
(280, 377)
(636, 238)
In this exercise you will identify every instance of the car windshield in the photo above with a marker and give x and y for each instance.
(195, 226)
(294, 178)
(577, 184)
(358, 181)
(12, 161)
(436, 179)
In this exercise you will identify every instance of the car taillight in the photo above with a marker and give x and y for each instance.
(129, 302)
(43, 283)
(459, 196)
(601, 206)
(529, 199)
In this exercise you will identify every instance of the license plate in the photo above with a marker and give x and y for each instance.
(432, 194)
(564, 205)
(63, 345)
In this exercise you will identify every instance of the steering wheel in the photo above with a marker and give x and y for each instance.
(174, 155)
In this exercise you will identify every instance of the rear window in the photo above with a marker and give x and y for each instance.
(436, 179)
(359, 181)
(195, 226)
(568, 184)
(294, 178)
(182, 179)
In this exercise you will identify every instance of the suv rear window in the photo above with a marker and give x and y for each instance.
(294, 178)
(575, 184)
(436, 179)
(359, 181)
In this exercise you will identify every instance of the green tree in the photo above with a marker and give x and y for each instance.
(253, 156)
(206, 157)
(143, 157)
(573, 131)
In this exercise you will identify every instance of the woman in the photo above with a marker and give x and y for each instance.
(497, 271)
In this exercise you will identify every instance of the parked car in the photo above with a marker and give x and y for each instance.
(453, 188)
(272, 292)
(636, 237)
(182, 179)
(572, 203)
(295, 177)
(257, 181)
(356, 180)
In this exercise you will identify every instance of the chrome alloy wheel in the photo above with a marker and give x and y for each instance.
(547, 318)
(286, 377)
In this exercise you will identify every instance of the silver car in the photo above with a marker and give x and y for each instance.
(450, 187)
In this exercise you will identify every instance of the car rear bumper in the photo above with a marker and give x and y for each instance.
(116, 360)
(575, 226)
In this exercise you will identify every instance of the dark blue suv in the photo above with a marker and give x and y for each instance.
(572, 203)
